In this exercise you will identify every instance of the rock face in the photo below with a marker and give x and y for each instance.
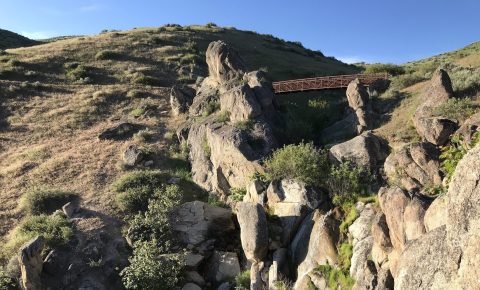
(357, 119)
(222, 155)
(358, 100)
(196, 222)
(253, 230)
(435, 214)
(132, 155)
(382, 246)
(223, 266)
(181, 98)
(415, 166)
(31, 263)
(468, 129)
(435, 130)
(366, 151)
(315, 243)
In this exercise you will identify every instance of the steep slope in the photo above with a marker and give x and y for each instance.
(10, 39)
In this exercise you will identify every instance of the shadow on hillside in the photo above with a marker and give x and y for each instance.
(383, 107)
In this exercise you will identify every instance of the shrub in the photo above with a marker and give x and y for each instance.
(107, 55)
(246, 125)
(154, 223)
(137, 112)
(210, 107)
(151, 269)
(7, 282)
(336, 278)
(453, 153)
(223, 117)
(345, 252)
(206, 148)
(78, 72)
(389, 68)
(211, 25)
(302, 162)
(237, 193)
(135, 189)
(134, 94)
(459, 109)
(242, 280)
(54, 228)
(45, 201)
(344, 183)
(146, 80)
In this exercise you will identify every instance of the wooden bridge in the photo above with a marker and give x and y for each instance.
(324, 83)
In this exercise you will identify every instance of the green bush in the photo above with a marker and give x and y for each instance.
(223, 117)
(302, 162)
(7, 282)
(147, 80)
(135, 189)
(237, 193)
(458, 109)
(210, 107)
(242, 280)
(45, 201)
(246, 125)
(453, 153)
(336, 278)
(154, 223)
(78, 72)
(107, 55)
(54, 228)
(151, 269)
(389, 68)
(344, 183)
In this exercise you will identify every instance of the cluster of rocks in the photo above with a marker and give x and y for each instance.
(226, 145)
(70, 267)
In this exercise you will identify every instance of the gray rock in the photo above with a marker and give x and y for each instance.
(70, 209)
(193, 276)
(31, 263)
(224, 63)
(191, 286)
(133, 155)
(193, 260)
(366, 151)
(358, 100)
(196, 222)
(255, 193)
(222, 267)
(253, 230)
(382, 246)
(181, 98)
(279, 267)
(415, 166)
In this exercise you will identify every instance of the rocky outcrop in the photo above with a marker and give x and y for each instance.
(358, 100)
(253, 230)
(132, 155)
(196, 222)
(435, 214)
(415, 166)
(468, 129)
(222, 154)
(31, 263)
(382, 246)
(315, 243)
(222, 267)
(366, 151)
(435, 130)
(181, 98)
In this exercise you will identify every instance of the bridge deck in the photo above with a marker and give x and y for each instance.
(323, 83)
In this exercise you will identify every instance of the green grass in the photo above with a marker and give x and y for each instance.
(242, 280)
(54, 228)
(351, 214)
(336, 278)
(45, 201)
(107, 55)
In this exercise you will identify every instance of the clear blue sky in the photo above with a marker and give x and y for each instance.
(356, 30)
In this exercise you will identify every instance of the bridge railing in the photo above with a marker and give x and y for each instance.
(327, 82)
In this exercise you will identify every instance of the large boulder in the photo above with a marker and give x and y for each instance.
(224, 63)
(181, 98)
(358, 100)
(435, 214)
(196, 222)
(362, 242)
(241, 103)
(415, 166)
(382, 246)
(315, 243)
(31, 263)
(366, 151)
(253, 230)
(222, 267)
(435, 130)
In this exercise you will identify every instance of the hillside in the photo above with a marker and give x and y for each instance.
(10, 39)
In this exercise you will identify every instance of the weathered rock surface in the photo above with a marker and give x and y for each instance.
(222, 267)
(181, 98)
(415, 166)
(468, 129)
(191, 286)
(366, 151)
(340, 130)
(255, 193)
(279, 267)
(31, 263)
(133, 155)
(224, 62)
(317, 246)
(362, 242)
(253, 230)
(382, 246)
(291, 191)
(435, 130)
(222, 155)
(435, 216)
(196, 222)
(358, 100)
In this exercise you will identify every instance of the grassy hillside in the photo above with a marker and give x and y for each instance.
(55, 99)
(404, 94)
(10, 39)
